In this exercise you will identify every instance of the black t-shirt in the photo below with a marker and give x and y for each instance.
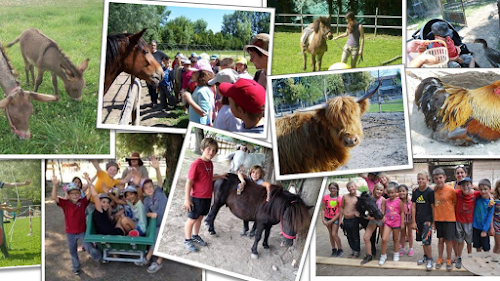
(159, 56)
(423, 200)
(103, 224)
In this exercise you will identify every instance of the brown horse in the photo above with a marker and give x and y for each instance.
(130, 53)
(283, 207)
(316, 41)
(17, 105)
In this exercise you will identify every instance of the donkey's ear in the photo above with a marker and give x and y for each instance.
(5, 102)
(42, 97)
(69, 75)
(136, 37)
(84, 65)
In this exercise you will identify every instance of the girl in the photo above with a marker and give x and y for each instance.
(393, 220)
(352, 47)
(496, 220)
(133, 200)
(384, 180)
(406, 233)
(257, 174)
(377, 193)
(202, 100)
(331, 208)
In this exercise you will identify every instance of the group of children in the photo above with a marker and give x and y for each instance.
(218, 93)
(458, 215)
(117, 207)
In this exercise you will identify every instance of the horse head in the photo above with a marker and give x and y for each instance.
(295, 220)
(321, 25)
(367, 205)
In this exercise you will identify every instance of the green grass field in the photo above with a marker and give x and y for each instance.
(392, 106)
(288, 58)
(25, 250)
(66, 126)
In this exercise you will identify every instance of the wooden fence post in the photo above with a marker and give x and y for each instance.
(376, 15)
(338, 23)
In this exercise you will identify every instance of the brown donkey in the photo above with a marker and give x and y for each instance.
(37, 49)
(17, 105)
(315, 43)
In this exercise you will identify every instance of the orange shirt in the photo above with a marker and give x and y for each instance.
(444, 200)
(104, 179)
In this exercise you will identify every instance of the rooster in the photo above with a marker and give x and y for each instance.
(461, 115)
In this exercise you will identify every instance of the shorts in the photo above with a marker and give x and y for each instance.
(463, 231)
(424, 233)
(446, 230)
(480, 242)
(335, 222)
(496, 226)
(117, 231)
(377, 222)
(141, 232)
(201, 207)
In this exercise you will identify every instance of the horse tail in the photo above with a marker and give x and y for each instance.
(298, 216)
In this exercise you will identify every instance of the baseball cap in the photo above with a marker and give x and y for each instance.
(466, 179)
(246, 93)
(104, 195)
(204, 56)
(186, 61)
(71, 186)
(194, 55)
(441, 28)
(130, 188)
(227, 75)
(214, 57)
(241, 60)
(260, 42)
(201, 65)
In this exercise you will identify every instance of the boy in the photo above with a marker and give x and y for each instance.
(107, 178)
(483, 215)
(166, 86)
(444, 216)
(351, 223)
(247, 100)
(74, 219)
(422, 213)
(199, 191)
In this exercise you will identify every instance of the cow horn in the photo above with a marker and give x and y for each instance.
(314, 107)
(370, 93)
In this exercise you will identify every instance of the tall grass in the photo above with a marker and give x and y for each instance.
(66, 126)
(288, 58)
(391, 106)
(25, 250)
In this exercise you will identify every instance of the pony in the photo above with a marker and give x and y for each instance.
(130, 53)
(247, 160)
(315, 43)
(283, 207)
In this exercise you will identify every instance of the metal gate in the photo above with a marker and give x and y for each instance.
(453, 12)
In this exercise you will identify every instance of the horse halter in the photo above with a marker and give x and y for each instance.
(283, 232)
(7, 113)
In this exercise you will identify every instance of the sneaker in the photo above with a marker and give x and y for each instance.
(401, 250)
(142, 262)
(77, 272)
(133, 233)
(382, 260)
(356, 255)
(154, 267)
(334, 252)
(429, 264)
(458, 264)
(197, 239)
(411, 252)
(396, 257)
(340, 253)
(449, 267)
(188, 244)
(367, 259)
(439, 263)
(422, 260)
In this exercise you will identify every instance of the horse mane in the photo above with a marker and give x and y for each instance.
(291, 208)
(113, 45)
(316, 25)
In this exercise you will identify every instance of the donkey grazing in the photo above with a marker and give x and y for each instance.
(37, 49)
(17, 105)
(315, 43)
(320, 140)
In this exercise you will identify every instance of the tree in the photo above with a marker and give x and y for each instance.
(19, 171)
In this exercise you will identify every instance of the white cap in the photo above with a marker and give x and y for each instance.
(227, 75)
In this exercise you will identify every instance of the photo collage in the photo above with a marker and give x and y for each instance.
(260, 140)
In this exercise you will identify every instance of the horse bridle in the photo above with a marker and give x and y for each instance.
(7, 113)
(283, 232)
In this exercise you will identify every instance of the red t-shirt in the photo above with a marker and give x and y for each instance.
(74, 215)
(464, 210)
(332, 205)
(201, 173)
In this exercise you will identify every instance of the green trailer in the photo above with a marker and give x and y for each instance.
(3, 245)
(121, 248)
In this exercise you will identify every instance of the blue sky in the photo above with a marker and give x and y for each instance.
(212, 16)
(385, 72)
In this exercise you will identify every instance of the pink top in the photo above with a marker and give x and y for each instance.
(407, 211)
(371, 184)
(379, 202)
(392, 213)
(332, 205)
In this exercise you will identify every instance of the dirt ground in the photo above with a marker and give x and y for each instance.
(323, 249)
(227, 250)
(115, 99)
(58, 259)
(384, 143)
(422, 143)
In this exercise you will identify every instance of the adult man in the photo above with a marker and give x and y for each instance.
(159, 56)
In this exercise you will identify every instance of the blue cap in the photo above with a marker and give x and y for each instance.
(466, 179)
(194, 55)
(71, 186)
(214, 57)
(130, 188)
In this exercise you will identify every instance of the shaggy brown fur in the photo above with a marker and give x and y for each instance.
(317, 47)
(320, 140)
